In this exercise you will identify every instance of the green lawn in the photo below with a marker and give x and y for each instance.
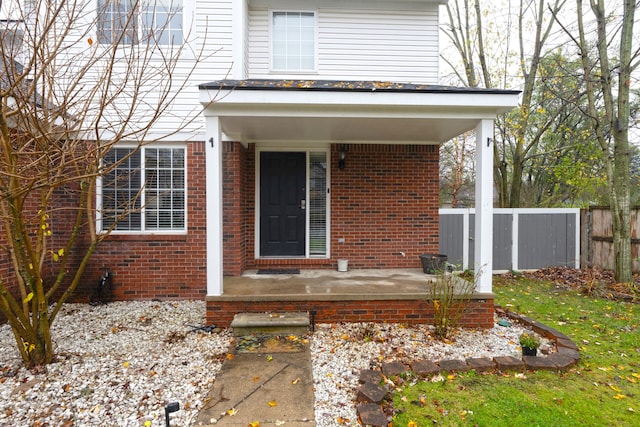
(602, 390)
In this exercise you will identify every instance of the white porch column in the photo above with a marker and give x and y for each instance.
(213, 149)
(483, 266)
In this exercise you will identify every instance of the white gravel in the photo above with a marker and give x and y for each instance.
(120, 364)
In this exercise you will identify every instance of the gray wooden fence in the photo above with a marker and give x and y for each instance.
(523, 239)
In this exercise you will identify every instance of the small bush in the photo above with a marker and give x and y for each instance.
(449, 295)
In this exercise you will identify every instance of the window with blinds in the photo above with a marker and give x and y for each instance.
(144, 190)
(317, 204)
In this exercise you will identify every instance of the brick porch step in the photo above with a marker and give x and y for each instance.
(296, 323)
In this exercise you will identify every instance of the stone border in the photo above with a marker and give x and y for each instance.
(370, 394)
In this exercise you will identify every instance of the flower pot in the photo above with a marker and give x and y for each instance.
(526, 351)
(433, 263)
(343, 265)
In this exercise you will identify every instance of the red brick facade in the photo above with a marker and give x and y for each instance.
(384, 204)
(159, 266)
(384, 213)
(479, 313)
(384, 208)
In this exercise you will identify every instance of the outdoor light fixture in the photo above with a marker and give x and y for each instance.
(342, 153)
(169, 409)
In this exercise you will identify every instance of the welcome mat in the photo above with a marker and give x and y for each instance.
(279, 271)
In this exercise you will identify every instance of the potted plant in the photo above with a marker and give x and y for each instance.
(529, 343)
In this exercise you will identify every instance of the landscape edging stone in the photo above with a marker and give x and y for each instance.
(566, 356)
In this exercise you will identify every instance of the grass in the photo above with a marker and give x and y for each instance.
(602, 390)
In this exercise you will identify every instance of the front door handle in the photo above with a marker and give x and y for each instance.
(303, 204)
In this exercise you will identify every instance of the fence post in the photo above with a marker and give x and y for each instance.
(585, 237)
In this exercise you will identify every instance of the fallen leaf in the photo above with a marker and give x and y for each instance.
(254, 424)
(229, 356)
(619, 396)
(231, 412)
(269, 358)
(412, 424)
(296, 381)
(272, 403)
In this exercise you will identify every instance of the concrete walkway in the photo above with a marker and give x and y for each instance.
(268, 384)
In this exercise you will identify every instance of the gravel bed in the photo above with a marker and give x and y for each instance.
(120, 364)
(340, 352)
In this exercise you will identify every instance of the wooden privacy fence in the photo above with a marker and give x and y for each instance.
(523, 239)
(597, 238)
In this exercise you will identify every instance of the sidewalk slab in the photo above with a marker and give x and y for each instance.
(274, 388)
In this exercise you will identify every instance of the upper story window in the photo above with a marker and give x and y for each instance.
(129, 21)
(145, 190)
(293, 37)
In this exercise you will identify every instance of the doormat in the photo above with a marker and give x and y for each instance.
(279, 271)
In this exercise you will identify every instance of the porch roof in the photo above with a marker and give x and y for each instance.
(349, 111)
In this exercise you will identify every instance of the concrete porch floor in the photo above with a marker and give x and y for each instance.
(328, 285)
(385, 295)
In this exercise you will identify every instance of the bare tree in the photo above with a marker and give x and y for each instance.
(466, 30)
(457, 171)
(609, 75)
(73, 84)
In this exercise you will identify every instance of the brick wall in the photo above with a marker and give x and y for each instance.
(384, 209)
(234, 200)
(159, 266)
(384, 204)
(61, 216)
(479, 313)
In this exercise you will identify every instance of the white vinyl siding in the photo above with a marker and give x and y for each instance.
(389, 45)
(206, 54)
(258, 60)
(355, 40)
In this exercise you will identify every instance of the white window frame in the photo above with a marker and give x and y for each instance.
(326, 148)
(143, 229)
(271, 43)
(139, 27)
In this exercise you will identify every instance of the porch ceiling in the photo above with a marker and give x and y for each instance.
(343, 129)
(366, 112)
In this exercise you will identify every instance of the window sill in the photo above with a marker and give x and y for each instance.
(146, 237)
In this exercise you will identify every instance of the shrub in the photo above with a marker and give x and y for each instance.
(449, 295)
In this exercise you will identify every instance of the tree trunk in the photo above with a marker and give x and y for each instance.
(617, 111)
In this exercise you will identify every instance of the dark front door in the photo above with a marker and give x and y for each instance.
(282, 203)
